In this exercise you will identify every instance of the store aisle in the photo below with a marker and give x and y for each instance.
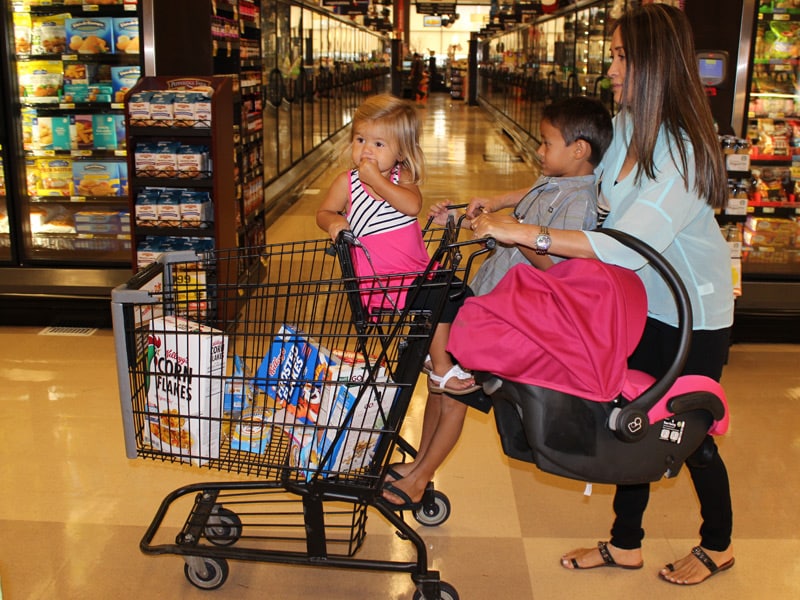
(73, 509)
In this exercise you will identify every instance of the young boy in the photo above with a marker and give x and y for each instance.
(575, 134)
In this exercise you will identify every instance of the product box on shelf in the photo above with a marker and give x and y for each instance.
(185, 363)
(126, 35)
(104, 132)
(90, 35)
(81, 132)
(122, 80)
(52, 133)
(48, 33)
(96, 178)
(54, 177)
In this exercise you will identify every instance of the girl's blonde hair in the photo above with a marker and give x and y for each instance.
(400, 118)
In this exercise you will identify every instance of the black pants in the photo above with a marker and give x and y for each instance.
(707, 355)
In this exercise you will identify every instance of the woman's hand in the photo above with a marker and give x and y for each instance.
(477, 206)
(500, 227)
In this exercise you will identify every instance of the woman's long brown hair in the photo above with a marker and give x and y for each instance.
(666, 91)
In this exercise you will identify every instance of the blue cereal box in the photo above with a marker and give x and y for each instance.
(90, 35)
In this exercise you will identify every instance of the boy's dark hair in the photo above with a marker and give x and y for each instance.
(582, 118)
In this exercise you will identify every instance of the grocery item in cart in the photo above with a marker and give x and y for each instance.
(185, 362)
(292, 375)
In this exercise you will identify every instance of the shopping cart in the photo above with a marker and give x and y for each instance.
(263, 362)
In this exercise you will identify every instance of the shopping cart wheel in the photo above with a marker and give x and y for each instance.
(435, 509)
(224, 527)
(206, 573)
(446, 592)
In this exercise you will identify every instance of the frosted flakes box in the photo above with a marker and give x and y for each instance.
(185, 363)
(293, 374)
(90, 35)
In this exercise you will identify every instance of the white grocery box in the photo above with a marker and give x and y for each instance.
(186, 366)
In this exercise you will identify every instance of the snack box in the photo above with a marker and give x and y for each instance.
(54, 177)
(192, 161)
(146, 206)
(144, 159)
(97, 222)
(139, 108)
(51, 133)
(122, 80)
(81, 132)
(162, 110)
(104, 132)
(169, 208)
(95, 178)
(185, 362)
(90, 35)
(126, 35)
(196, 209)
(252, 431)
(167, 158)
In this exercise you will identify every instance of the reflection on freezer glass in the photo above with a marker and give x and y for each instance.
(5, 233)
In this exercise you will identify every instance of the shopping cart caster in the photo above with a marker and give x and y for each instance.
(206, 573)
(446, 592)
(435, 508)
(224, 527)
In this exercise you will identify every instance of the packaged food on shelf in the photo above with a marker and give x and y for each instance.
(90, 35)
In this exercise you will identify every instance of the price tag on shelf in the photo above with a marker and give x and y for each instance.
(77, 198)
(736, 206)
(737, 162)
(768, 210)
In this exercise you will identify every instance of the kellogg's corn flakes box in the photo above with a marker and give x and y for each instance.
(185, 364)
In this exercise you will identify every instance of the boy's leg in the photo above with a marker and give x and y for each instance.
(441, 442)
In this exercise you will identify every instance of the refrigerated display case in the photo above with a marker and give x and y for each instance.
(770, 303)
(67, 67)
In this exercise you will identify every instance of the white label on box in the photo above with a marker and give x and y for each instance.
(737, 162)
(185, 364)
(736, 206)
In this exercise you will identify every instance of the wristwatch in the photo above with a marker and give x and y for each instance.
(541, 244)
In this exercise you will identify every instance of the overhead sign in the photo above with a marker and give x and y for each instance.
(434, 7)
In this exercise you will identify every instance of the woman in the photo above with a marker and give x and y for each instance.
(662, 177)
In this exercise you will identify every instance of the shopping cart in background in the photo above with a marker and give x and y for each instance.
(263, 362)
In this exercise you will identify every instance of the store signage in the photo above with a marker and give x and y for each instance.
(435, 7)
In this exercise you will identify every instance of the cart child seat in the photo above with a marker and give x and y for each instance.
(593, 420)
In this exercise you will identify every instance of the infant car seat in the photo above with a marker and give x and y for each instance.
(645, 430)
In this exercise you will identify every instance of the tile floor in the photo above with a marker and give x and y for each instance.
(73, 508)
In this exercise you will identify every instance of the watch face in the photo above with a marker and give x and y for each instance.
(542, 243)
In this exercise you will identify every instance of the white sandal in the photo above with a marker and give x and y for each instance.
(427, 366)
(438, 385)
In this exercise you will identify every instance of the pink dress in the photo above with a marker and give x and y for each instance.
(392, 245)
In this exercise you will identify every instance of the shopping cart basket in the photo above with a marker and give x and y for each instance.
(261, 362)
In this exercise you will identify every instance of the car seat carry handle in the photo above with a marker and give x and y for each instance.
(630, 422)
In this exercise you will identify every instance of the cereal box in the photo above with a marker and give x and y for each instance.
(185, 362)
(358, 411)
(292, 374)
(90, 35)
